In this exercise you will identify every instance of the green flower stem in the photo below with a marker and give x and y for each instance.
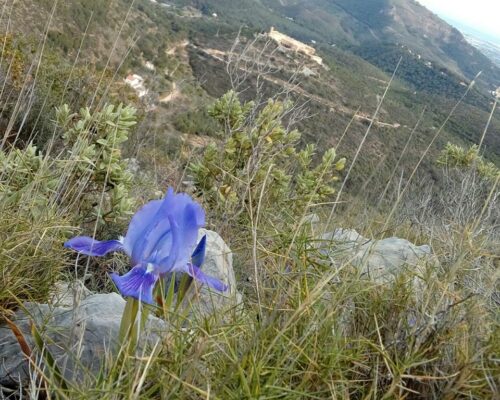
(131, 325)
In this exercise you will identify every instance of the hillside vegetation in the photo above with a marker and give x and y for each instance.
(299, 166)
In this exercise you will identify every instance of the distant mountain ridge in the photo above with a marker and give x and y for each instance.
(352, 23)
(408, 23)
(468, 30)
(487, 44)
(490, 49)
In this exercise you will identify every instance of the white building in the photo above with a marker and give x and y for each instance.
(136, 82)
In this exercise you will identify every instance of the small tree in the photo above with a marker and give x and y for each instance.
(257, 172)
(454, 156)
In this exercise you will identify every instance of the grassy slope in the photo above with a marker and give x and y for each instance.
(316, 331)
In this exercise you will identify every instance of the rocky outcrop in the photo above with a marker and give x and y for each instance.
(219, 264)
(379, 263)
(78, 337)
(378, 260)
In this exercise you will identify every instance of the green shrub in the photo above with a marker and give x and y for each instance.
(258, 171)
(93, 141)
(195, 122)
(454, 156)
(31, 228)
(43, 198)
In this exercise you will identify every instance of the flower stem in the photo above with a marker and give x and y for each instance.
(131, 325)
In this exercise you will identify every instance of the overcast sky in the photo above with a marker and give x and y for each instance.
(482, 15)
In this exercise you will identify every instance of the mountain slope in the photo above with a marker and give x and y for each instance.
(408, 23)
(351, 23)
(491, 49)
(181, 47)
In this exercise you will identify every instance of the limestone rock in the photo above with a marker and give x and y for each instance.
(379, 260)
(219, 264)
(133, 165)
(79, 337)
(64, 294)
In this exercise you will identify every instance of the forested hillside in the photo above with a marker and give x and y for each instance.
(108, 41)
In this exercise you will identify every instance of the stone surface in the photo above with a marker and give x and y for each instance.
(79, 337)
(219, 264)
(379, 260)
(64, 294)
(133, 165)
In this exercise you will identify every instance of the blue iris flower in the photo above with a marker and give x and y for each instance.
(159, 240)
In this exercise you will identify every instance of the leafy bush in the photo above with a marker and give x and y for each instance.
(31, 228)
(93, 141)
(13, 57)
(195, 122)
(258, 168)
(454, 156)
(43, 198)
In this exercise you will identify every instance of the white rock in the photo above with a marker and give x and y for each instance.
(64, 294)
(78, 338)
(308, 72)
(379, 260)
(133, 165)
(218, 264)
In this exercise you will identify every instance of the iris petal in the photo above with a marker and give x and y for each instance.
(137, 283)
(91, 247)
(187, 213)
(140, 223)
(190, 227)
(201, 277)
(198, 256)
(184, 235)
(166, 264)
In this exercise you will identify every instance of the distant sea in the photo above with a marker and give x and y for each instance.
(487, 43)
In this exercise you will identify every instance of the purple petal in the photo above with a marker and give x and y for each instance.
(190, 228)
(157, 238)
(91, 247)
(139, 225)
(198, 256)
(137, 283)
(184, 236)
(200, 276)
(167, 263)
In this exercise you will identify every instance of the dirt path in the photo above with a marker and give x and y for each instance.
(173, 95)
(182, 45)
(220, 56)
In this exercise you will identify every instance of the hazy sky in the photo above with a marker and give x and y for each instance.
(482, 15)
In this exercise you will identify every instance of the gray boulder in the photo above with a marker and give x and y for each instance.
(205, 301)
(78, 337)
(378, 260)
(65, 294)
